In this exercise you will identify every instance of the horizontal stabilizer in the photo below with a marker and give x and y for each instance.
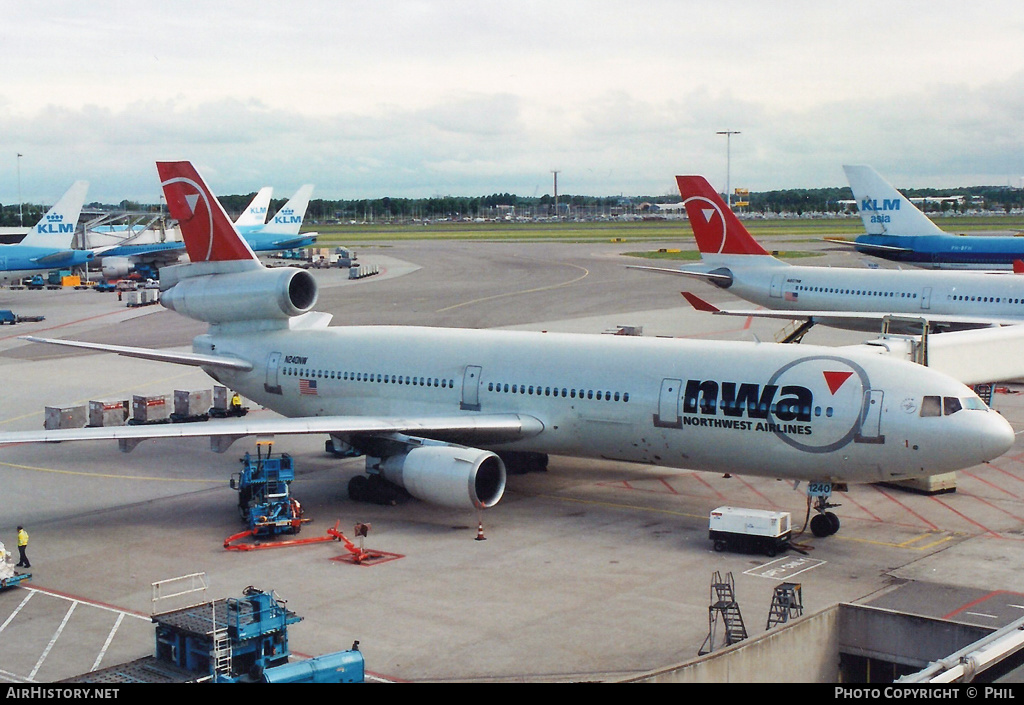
(715, 276)
(53, 259)
(868, 247)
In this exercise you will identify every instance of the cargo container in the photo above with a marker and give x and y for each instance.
(739, 529)
(154, 409)
(108, 413)
(65, 417)
(191, 405)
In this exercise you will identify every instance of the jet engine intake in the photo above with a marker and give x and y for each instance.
(258, 294)
(448, 475)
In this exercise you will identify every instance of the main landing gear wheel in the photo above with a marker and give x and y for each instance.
(375, 490)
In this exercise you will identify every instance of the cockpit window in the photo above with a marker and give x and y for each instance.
(950, 405)
(931, 406)
(975, 403)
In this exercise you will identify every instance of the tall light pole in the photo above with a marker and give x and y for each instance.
(21, 216)
(556, 193)
(728, 162)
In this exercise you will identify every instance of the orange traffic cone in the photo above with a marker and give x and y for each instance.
(480, 532)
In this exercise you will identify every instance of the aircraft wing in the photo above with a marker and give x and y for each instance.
(706, 276)
(193, 359)
(865, 316)
(463, 428)
(868, 247)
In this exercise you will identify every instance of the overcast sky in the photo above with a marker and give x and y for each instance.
(413, 98)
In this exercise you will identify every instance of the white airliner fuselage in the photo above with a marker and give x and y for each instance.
(666, 402)
(969, 299)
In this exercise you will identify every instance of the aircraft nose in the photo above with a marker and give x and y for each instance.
(997, 436)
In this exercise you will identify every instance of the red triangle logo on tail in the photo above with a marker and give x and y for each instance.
(835, 380)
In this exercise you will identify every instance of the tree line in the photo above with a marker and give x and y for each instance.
(798, 201)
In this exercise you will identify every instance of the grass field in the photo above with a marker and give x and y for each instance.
(791, 230)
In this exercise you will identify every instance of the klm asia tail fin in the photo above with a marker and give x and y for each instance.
(883, 209)
(56, 229)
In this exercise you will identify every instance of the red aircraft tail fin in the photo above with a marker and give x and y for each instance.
(208, 233)
(716, 227)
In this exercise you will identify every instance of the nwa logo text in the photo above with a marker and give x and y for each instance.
(738, 399)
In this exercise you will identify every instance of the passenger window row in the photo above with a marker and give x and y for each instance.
(375, 377)
(564, 392)
(857, 292)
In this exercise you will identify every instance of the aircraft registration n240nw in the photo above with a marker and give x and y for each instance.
(48, 245)
(440, 411)
(841, 297)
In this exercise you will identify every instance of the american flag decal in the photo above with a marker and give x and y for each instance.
(307, 386)
(791, 296)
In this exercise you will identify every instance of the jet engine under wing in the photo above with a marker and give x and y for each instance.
(193, 359)
(494, 428)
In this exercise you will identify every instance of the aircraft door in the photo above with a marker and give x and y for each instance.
(668, 404)
(775, 291)
(272, 385)
(926, 298)
(471, 388)
(871, 418)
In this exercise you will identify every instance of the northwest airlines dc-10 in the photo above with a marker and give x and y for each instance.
(440, 411)
(843, 297)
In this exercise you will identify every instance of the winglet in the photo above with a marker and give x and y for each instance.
(699, 304)
(716, 227)
(209, 234)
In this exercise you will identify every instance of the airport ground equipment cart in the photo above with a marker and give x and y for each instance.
(13, 580)
(237, 640)
(265, 502)
(748, 530)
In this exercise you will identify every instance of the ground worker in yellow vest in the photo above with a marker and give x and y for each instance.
(22, 547)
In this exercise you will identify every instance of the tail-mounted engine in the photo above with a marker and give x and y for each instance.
(252, 295)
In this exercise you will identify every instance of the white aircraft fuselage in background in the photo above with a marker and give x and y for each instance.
(734, 261)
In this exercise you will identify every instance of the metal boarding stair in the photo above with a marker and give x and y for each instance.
(787, 602)
(724, 607)
(793, 332)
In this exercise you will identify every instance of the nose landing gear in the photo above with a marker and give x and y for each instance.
(824, 523)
